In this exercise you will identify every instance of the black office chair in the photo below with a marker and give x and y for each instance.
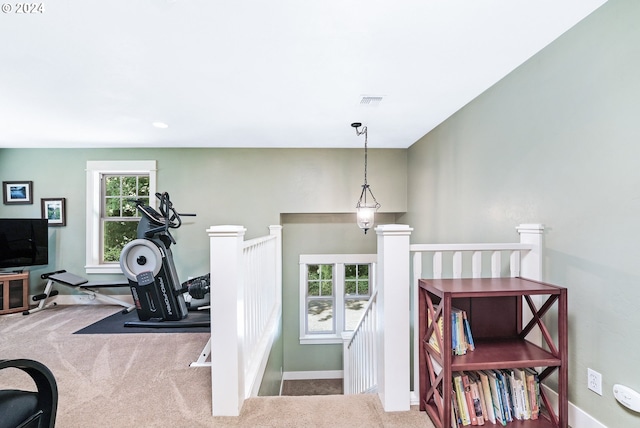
(29, 409)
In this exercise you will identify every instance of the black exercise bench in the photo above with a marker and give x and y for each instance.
(77, 283)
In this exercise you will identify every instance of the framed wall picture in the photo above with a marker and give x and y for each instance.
(17, 192)
(53, 209)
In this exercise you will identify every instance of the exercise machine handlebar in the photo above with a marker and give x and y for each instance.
(167, 218)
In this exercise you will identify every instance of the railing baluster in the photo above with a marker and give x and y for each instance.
(496, 261)
(437, 265)
(514, 263)
(476, 264)
(360, 352)
(457, 264)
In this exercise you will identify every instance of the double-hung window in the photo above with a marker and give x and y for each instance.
(112, 218)
(334, 291)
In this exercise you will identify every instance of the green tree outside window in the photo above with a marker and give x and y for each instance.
(119, 215)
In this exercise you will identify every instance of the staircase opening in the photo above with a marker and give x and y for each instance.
(298, 387)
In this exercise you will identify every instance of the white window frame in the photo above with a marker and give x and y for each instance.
(338, 261)
(95, 171)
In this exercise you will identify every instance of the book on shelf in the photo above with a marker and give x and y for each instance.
(437, 368)
(521, 385)
(463, 408)
(456, 420)
(503, 388)
(487, 398)
(533, 391)
(433, 340)
(496, 399)
(513, 394)
(476, 382)
(495, 396)
(461, 337)
(457, 331)
(455, 346)
(466, 387)
(476, 400)
(467, 332)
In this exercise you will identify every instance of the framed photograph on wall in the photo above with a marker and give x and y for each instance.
(17, 192)
(53, 209)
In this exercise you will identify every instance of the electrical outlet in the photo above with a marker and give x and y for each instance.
(594, 381)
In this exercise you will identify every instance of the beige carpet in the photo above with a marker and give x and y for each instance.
(144, 380)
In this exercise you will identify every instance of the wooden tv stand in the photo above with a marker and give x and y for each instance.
(494, 309)
(14, 292)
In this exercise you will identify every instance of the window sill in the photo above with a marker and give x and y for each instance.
(111, 268)
(321, 339)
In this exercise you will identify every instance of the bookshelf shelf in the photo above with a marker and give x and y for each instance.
(502, 354)
(494, 307)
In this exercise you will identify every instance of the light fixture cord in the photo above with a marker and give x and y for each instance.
(364, 131)
(365, 155)
(365, 186)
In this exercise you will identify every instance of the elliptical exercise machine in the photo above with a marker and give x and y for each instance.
(147, 263)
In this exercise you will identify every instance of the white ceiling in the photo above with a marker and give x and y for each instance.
(251, 73)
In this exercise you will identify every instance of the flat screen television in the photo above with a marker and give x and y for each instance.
(23, 242)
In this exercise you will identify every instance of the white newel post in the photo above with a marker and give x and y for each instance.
(531, 263)
(531, 268)
(393, 282)
(227, 329)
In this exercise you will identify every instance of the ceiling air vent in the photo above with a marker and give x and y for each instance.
(370, 101)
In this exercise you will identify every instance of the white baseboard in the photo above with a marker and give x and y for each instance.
(326, 374)
(578, 418)
(414, 399)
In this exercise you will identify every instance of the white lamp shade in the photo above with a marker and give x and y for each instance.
(365, 216)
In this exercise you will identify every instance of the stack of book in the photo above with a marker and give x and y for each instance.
(494, 396)
(461, 337)
(462, 340)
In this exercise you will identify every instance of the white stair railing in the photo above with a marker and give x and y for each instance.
(262, 298)
(456, 253)
(388, 347)
(360, 351)
(246, 307)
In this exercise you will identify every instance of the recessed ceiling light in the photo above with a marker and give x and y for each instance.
(160, 125)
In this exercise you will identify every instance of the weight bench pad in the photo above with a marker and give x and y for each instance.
(72, 280)
(68, 279)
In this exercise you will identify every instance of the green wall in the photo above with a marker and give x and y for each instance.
(317, 234)
(557, 142)
(250, 187)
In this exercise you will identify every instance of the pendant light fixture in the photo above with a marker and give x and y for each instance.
(367, 204)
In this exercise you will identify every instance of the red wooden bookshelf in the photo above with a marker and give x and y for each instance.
(494, 308)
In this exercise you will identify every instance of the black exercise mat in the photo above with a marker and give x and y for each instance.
(115, 324)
